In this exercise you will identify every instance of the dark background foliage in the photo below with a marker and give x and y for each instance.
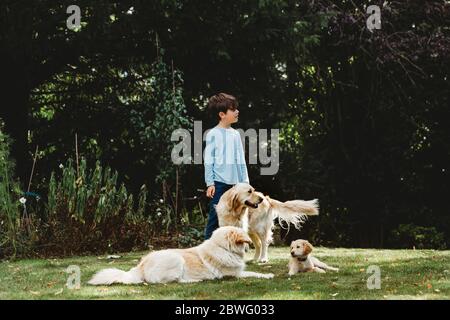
(363, 116)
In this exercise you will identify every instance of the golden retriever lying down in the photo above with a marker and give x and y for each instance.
(302, 261)
(221, 255)
(241, 206)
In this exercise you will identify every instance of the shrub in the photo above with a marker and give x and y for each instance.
(85, 211)
(191, 237)
(88, 212)
(410, 235)
(11, 242)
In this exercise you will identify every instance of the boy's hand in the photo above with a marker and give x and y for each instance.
(210, 191)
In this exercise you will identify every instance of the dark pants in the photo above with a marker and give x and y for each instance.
(213, 222)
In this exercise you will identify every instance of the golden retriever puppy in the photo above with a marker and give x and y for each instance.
(302, 261)
(221, 255)
(243, 207)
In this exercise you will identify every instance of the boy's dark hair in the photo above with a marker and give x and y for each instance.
(221, 103)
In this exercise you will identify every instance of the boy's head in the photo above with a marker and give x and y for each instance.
(223, 107)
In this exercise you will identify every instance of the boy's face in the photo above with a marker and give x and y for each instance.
(231, 116)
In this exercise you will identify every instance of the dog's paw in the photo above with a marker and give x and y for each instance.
(333, 269)
(263, 261)
(268, 275)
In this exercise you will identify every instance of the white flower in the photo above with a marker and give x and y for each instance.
(161, 201)
(158, 214)
(22, 200)
(61, 166)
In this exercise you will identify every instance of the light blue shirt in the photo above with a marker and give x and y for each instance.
(224, 157)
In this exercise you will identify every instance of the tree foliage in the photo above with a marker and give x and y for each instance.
(363, 115)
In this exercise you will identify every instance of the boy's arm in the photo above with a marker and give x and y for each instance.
(209, 161)
(244, 173)
(242, 164)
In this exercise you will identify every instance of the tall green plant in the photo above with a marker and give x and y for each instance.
(91, 195)
(89, 211)
(9, 199)
(160, 111)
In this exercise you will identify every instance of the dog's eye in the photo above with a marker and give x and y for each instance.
(249, 191)
(298, 247)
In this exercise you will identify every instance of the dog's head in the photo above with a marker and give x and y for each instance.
(301, 248)
(242, 194)
(232, 239)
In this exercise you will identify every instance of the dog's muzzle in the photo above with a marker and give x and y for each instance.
(253, 205)
(301, 258)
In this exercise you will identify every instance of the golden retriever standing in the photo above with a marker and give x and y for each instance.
(221, 255)
(302, 261)
(241, 206)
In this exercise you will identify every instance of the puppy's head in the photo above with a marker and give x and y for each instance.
(232, 239)
(243, 194)
(301, 248)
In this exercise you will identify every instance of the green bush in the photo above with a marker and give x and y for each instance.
(191, 237)
(11, 222)
(156, 116)
(410, 235)
(88, 212)
(85, 211)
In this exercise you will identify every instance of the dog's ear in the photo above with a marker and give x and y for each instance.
(232, 199)
(239, 238)
(308, 248)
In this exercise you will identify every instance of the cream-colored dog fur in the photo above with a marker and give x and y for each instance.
(302, 261)
(243, 207)
(222, 255)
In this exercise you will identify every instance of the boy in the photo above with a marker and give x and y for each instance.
(224, 154)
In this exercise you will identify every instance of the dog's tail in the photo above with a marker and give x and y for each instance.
(294, 211)
(110, 276)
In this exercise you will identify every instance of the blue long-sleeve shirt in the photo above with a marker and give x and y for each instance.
(224, 157)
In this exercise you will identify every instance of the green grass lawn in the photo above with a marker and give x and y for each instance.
(405, 274)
